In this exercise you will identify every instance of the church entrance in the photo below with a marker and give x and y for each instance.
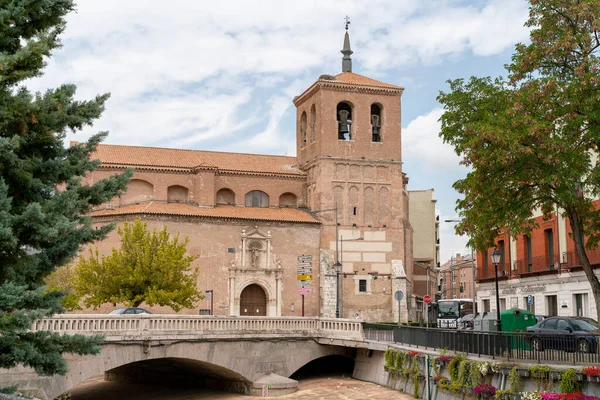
(253, 301)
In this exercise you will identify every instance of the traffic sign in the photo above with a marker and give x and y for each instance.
(305, 283)
(530, 299)
(399, 295)
(304, 258)
(304, 290)
(305, 277)
(427, 299)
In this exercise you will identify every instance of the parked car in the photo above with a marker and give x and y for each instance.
(540, 318)
(465, 322)
(564, 333)
(129, 311)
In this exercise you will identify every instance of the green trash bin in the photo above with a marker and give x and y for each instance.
(516, 320)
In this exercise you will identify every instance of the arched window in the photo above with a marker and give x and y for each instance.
(138, 191)
(344, 119)
(303, 128)
(226, 196)
(256, 198)
(376, 122)
(288, 200)
(313, 122)
(177, 194)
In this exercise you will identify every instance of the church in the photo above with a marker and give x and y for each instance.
(325, 233)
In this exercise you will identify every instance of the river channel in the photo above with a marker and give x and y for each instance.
(329, 387)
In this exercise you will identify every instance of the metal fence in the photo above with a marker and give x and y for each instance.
(561, 347)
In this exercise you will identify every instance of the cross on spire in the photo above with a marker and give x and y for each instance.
(346, 50)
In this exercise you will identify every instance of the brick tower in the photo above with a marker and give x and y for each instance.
(349, 144)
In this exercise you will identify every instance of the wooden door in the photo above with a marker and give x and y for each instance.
(253, 301)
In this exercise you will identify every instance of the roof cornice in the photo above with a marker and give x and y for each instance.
(345, 87)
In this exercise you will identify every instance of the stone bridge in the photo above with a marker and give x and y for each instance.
(240, 354)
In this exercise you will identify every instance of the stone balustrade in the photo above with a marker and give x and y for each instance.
(172, 327)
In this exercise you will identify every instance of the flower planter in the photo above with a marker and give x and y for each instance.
(523, 372)
(593, 378)
(580, 376)
(554, 375)
(515, 396)
(505, 371)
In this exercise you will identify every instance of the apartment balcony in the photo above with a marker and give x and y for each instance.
(571, 261)
(541, 265)
(487, 274)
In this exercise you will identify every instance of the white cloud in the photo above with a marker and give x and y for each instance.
(422, 145)
(189, 73)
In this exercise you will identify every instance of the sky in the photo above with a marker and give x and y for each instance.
(222, 75)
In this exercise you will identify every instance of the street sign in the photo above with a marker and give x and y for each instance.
(304, 271)
(305, 283)
(305, 277)
(427, 299)
(304, 258)
(304, 290)
(530, 299)
(399, 295)
(304, 264)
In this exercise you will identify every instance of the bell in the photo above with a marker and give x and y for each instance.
(344, 128)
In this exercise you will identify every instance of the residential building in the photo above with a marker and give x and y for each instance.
(426, 244)
(539, 272)
(456, 277)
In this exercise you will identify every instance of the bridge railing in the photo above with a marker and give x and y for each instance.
(120, 327)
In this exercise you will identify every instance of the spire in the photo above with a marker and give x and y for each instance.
(347, 51)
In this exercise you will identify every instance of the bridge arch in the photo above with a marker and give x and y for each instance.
(232, 364)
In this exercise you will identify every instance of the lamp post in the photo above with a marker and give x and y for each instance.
(495, 256)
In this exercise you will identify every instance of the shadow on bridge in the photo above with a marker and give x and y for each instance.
(332, 365)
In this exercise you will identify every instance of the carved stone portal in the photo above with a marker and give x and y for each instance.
(256, 263)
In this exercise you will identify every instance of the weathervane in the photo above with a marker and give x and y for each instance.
(347, 18)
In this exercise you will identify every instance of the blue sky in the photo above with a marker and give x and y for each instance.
(222, 75)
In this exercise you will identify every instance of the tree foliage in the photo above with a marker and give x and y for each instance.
(532, 139)
(43, 205)
(149, 267)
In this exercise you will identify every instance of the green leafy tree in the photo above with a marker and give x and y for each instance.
(149, 267)
(43, 204)
(532, 140)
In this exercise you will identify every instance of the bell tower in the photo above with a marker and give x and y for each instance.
(349, 144)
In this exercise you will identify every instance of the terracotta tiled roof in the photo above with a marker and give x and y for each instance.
(356, 79)
(228, 212)
(140, 156)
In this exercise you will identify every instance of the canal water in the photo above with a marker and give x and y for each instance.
(322, 386)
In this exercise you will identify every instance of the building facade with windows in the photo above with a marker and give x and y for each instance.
(539, 272)
(426, 244)
(456, 277)
(255, 221)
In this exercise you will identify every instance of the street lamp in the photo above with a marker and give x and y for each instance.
(338, 269)
(495, 256)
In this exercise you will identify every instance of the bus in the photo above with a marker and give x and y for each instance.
(450, 310)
